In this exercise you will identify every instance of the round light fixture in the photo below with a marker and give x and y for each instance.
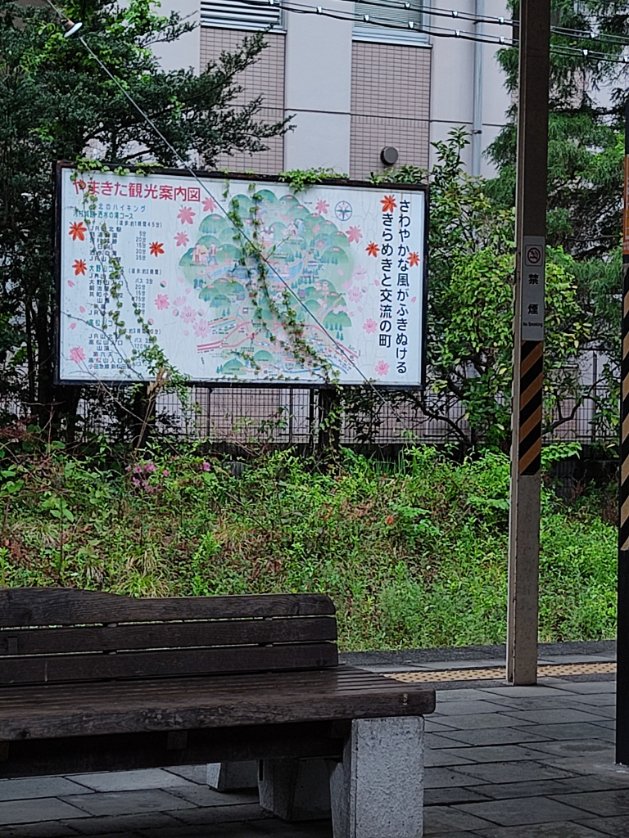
(389, 155)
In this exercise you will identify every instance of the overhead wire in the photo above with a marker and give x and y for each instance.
(381, 22)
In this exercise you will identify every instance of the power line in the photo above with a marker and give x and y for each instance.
(438, 31)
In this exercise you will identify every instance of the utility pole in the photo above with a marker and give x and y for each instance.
(528, 332)
(622, 647)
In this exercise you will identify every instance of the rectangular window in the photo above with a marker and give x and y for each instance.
(393, 21)
(239, 15)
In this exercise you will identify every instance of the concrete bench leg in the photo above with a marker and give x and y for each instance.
(377, 790)
(295, 789)
(232, 776)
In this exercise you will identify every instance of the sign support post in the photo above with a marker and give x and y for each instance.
(528, 352)
(622, 651)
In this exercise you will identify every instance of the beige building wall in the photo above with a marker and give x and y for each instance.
(265, 77)
(390, 105)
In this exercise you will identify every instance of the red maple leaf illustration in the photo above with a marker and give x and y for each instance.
(156, 248)
(388, 203)
(78, 231)
(372, 249)
(79, 267)
(413, 259)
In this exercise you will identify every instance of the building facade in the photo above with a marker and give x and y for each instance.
(358, 78)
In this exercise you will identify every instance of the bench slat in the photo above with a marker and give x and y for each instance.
(180, 704)
(102, 667)
(66, 607)
(45, 641)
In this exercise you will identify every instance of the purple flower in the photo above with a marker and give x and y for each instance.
(205, 466)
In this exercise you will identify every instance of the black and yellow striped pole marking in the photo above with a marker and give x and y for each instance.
(528, 347)
(622, 648)
(530, 414)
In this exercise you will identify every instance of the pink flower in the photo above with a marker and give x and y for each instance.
(186, 215)
(381, 369)
(205, 466)
(187, 315)
(354, 294)
(354, 234)
(161, 302)
(322, 207)
(181, 239)
(77, 354)
(370, 326)
(166, 472)
(179, 301)
(201, 328)
(209, 205)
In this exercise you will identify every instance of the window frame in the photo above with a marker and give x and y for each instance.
(237, 22)
(373, 33)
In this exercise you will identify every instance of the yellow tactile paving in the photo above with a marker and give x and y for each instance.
(497, 673)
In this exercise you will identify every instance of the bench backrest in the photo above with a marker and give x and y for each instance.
(52, 635)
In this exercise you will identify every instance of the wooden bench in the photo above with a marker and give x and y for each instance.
(92, 681)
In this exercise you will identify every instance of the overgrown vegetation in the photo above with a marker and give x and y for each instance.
(414, 554)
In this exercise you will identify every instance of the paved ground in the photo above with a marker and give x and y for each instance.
(502, 762)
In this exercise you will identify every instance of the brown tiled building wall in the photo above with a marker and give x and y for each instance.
(390, 105)
(266, 78)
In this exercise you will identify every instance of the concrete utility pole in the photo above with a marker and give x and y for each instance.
(622, 651)
(528, 353)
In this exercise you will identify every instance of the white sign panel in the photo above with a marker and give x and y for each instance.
(533, 275)
(163, 260)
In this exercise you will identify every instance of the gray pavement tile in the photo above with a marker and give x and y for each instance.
(528, 788)
(461, 694)
(596, 699)
(534, 691)
(221, 814)
(514, 772)
(609, 804)
(584, 764)
(563, 715)
(604, 781)
(574, 701)
(476, 722)
(495, 753)
(435, 727)
(576, 747)
(437, 740)
(439, 778)
(574, 730)
(313, 829)
(39, 830)
(438, 756)
(522, 810)
(609, 826)
(205, 796)
(468, 708)
(127, 802)
(221, 830)
(560, 829)
(194, 773)
(444, 820)
(29, 787)
(610, 724)
(585, 686)
(37, 810)
(607, 711)
(448, 796)
(499, 736)
(127, 824)
(145, 778)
